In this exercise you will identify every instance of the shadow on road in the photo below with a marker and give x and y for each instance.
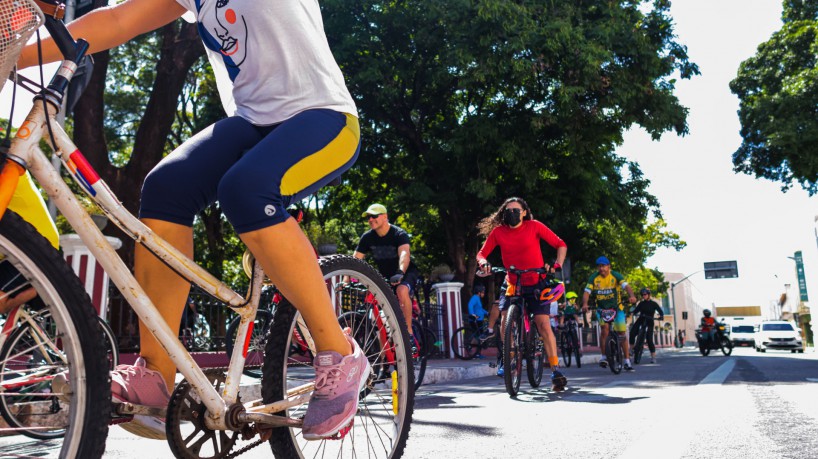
(575, 395)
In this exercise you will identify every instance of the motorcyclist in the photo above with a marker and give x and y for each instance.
(708, 327)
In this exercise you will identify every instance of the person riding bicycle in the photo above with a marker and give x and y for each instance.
(568, 310)
(476, 311)
(644, 313)
(292, 128)
(605, 285)
(390, 247)
(513, 228)
(708, 327)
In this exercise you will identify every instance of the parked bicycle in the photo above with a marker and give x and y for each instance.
(569, 342)
(31, 356)
(470, 340)
(381, 425)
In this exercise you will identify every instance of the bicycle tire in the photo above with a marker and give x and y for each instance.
(639, 345)
(565, 350)
(614, 352)
(535, 356)
(575, 344)
(419, 361)
(63, 296)
(513, 349)
(111, 347)
(432, 346)
(255, 351)
(387, 418)
(464, 343)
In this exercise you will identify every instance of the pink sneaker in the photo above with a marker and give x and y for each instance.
(132, 384)
(338, 381)
(138, 385)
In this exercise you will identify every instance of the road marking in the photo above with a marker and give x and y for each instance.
(812, 379)
(720, 374)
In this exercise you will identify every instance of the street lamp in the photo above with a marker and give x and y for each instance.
(673, 305)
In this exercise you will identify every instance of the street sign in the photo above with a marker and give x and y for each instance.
(720, 270)
(802, 280)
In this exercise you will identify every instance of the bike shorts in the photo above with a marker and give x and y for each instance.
(255, 172)
(532, 304)
(409, 280)
(619, 323)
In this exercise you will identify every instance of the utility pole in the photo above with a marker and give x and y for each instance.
(673, 305)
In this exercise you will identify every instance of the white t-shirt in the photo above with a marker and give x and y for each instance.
(271, 58)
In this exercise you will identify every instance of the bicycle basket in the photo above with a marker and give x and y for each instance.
(607, 315)
(18, 19)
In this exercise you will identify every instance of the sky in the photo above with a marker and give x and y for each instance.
(720, 214)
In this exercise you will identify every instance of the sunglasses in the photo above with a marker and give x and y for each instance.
(513, 210)
(372, 217)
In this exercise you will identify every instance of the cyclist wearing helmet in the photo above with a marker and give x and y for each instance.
(605, 285)
(708, 326)
(513, 228)
(568, 310)
(644, 312)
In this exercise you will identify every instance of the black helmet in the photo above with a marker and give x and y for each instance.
(706, 312)
(644, 291)
(479, 289)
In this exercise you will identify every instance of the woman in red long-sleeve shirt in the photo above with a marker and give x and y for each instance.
(514, 230)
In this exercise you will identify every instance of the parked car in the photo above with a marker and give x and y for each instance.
(777, 334)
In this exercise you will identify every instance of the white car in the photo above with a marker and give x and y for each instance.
(777, 334)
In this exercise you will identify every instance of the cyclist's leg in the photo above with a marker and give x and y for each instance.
(494, 314)
(403, 291)
(649, 339)
(543, 322)
(180, 186)
(634, 331)
(295, 159)
(620, 326)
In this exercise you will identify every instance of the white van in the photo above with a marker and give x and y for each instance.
(777, 334)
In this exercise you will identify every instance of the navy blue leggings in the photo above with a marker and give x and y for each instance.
(254, 172)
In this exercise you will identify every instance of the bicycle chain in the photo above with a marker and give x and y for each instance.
(246, 448)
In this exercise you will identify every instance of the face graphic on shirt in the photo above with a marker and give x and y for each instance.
(230, 29)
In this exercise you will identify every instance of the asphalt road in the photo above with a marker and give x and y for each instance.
(748, 405)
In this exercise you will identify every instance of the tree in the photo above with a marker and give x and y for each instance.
(464, 103)
(125, 116)
(778, 102)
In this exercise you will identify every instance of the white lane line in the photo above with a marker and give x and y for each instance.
(719, 374)
(812, 379)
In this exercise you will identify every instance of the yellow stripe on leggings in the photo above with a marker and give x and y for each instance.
(323, 162)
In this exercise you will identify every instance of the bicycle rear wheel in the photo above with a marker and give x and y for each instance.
(258, 338)
(465, 343)
(534, 356)
(381, 425)
(82, 415)
(109, 343)
(575, 344)
(513, 348)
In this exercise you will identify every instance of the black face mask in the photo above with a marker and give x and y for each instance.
(511, 217)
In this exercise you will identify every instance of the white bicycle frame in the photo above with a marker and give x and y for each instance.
(26, 152)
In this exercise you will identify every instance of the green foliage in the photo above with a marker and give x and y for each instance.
(778, 93)
(464, 103)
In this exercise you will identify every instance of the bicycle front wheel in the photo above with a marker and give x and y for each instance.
(534, 357)
(512, 350)
(465, 343)
(381, 426)
(639, 347)
(419, 353)
(69, 338)
(614, 353)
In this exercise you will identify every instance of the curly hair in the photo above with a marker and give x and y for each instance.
(494, 220)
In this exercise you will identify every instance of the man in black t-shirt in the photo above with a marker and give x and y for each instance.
(389, 246)
(644, 312)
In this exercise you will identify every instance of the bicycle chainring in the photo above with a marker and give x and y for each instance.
(188, 436)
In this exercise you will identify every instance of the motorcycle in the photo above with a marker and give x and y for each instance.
(719, 340)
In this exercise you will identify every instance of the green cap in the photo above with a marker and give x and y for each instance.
(374, 209)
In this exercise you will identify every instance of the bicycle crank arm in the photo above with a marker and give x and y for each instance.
(280, 405)
(270, 420)
(129, 409)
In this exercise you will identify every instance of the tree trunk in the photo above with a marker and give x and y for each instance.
(181, 48)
